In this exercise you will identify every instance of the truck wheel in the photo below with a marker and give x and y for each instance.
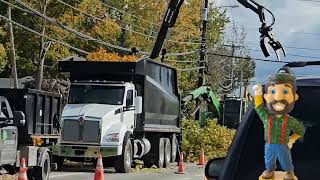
(174, 148)
(42, 172)
(167, 152)
(123, 164)
(160, 160)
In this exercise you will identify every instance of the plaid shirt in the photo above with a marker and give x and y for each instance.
(277, 130)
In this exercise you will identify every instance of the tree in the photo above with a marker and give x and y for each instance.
(135, 25)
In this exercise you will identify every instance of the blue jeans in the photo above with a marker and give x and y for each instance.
(272, 152)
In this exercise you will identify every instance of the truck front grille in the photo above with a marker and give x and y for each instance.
(71, 130)
(86, 132)
(91, 131)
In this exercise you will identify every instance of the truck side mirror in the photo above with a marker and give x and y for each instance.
(138, 105)
(19, 118)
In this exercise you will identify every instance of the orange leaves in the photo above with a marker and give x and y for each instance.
(103, 55)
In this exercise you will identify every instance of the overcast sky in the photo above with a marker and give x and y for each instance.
(297, 26)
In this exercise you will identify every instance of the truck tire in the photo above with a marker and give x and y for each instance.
(156, 154)
(174, 148)
(42, 172)
(160, 154)
(124, 162)
(167, 152)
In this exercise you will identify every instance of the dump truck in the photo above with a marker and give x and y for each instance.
(29, 125)
(121, 110)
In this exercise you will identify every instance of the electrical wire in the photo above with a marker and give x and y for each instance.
(79, 34)
(181, 53)
(190, 69)
(125, 28)
(47, 37)
(289, 47)
(177, 61)
(294, 55)
(151, 23)
(248, 58)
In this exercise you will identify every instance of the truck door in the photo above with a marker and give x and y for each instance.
(128, 110)
(8, 144)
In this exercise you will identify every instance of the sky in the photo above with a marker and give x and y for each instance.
(297, 26)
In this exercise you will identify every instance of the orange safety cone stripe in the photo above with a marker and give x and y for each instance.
(99, 172)
(202, 159)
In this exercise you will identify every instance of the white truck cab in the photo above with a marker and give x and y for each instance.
(97, 118)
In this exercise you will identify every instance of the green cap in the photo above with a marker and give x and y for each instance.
(281, 77)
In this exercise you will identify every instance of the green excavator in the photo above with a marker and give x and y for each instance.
(208, 101)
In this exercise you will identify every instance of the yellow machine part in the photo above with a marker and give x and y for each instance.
(278, 175)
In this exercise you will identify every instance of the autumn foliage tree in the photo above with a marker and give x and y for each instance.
(125, 23)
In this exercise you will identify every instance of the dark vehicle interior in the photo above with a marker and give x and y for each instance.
(245, 159)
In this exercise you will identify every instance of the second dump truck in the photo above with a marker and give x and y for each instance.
(121, 110)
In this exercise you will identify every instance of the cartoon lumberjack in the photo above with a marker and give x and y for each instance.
(280, 96)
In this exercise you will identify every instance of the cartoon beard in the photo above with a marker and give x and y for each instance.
(288, 107)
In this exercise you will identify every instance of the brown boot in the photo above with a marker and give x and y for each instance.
(267, 174)
(289, 175)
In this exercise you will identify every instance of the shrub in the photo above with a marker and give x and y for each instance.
(213, 139)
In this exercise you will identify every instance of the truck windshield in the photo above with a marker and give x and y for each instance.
(97, 94)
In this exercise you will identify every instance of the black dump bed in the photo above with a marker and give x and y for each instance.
(42, 112)
(155, 82)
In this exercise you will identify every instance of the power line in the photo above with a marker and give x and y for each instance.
(248, 58)
(309, 0)
(81, 35)
(177, 61)
(151, 23)
(190, 69)
(181, 53)
(256, 29)
(294, 55)
(289, 47)
(84, 36)
(125, 28)
(47, 37)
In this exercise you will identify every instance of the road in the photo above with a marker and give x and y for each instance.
(192, 172)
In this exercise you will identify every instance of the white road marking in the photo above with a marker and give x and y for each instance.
(64, 175)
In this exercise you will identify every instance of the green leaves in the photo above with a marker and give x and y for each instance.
(213, 139)
(3, 57)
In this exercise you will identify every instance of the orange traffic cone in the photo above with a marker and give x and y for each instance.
(181, 165)
(23, 170)
(99, 173)
(202, 159)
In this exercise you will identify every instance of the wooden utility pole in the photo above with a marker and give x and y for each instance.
(203, 48)
(44, 47)
(203, 51)
(14, 73)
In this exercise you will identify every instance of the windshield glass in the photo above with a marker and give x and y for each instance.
(84, 94)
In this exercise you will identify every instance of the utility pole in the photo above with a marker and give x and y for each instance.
(203, 47)
(44, 47)
(200, 115)
(241, 96)
(13, 52)
(232, 67)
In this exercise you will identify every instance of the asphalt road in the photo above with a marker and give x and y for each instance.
(192, 172)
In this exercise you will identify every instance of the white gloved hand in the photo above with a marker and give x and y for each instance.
(257, 90)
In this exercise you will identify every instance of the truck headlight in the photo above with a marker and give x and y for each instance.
(111, 137)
